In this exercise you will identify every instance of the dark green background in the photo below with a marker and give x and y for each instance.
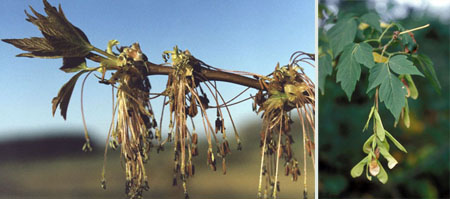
(421, 173)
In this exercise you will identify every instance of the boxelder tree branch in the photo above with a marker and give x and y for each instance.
(155, 69)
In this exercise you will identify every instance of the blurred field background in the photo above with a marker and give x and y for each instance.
(234, 35)
(55, 167)
(424, 171)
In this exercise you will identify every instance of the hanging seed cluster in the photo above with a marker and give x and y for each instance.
(135, 127)
(286, 89)
(135, 119)
(182, 89)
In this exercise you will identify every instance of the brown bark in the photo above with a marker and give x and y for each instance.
(212, 75)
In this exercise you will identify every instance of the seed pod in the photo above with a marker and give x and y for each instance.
(209, 157)
(374, 168)
(154, 123)
(194, 107)
(295, 175)
(218, 125)
(194, 138)
(103, 183)
(174, 181)
(259, 98)
(281, 151)
(288, 152)
(224, 166)
(204, 101)
(127, 186)
(226, 147)
(311, 146)
(211, 160)
(194, 150)
(223, 126)
(377, 152)
(287, 170)
(213, 166)
(286, 128)
(221, 151)
(262, 135)
(239, 145)
(113, 144)
(191, 169)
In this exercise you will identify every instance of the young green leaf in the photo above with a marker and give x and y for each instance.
(73, 64)
(63, 98)
(358, 168)
(61, 39)
(372, 19)
(37, 47)
(341, 34)
(426, 65)
(382, 176)
(348, 70)
(60, 33)
(385, 153)
(396, 143)
(401, 65)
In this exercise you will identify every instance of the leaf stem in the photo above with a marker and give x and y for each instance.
(103, 53)
(414, 29)
(385, 31)
(372, 40)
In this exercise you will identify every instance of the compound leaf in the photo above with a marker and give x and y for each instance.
(61, 39)
(73, 64)
(37, 47)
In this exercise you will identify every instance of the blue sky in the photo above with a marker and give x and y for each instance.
(234, 35)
